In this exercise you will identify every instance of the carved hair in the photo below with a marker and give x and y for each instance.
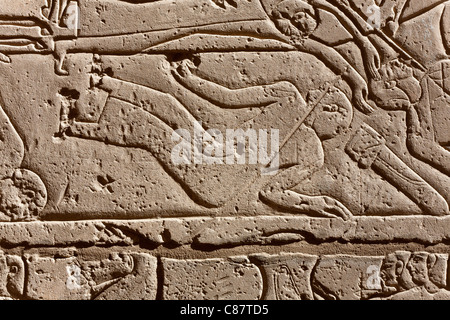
(404, 278)
(288, 8)
(333, 95)
(284, 15)
(437, 269)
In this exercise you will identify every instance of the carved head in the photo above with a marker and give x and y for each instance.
(396, 70)
(418, 267)
(428, 270)
(394, 272)
(332, 115)
(12, 276)
(22, 197)
(391, 269)
(295, 18)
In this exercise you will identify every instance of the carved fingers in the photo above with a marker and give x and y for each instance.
(372, 61)
(4, 58)
(388, 96)
(330, 207)
(360, 98)
(282, 89)
(323, 206)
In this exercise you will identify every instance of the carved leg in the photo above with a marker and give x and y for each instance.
(127, 125)
(423, 147)
(276, 193)
(11, 147)
(368, 148)
(161, 105)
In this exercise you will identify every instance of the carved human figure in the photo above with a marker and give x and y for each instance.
(394, 273)
(428, 272)
(327, 115)
(298, 19)
(295, 22)
(153, 129)
(294, 19)
(399, 89)
(332, 115)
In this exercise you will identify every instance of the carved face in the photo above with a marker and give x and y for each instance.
(300, 14)
(304, 22)
(418, 268)
(388, 271)
(12, 275)
(332, 115)
(396, 70)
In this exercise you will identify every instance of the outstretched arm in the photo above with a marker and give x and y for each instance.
(370, 54)
(339, 65)
(328, 55)
(21, 37)
(257, 96)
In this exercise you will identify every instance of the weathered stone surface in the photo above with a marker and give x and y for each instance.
(12, 273)
(121, 276)
(346, 277)
(211, 279)
(224, 149)
(225, 232)
(398, 275)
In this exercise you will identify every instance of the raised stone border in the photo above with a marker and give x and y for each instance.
(227, 231)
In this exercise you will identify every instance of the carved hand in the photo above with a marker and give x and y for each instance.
(321, 205)
(329, 207)
(372, 60)
(360, 97)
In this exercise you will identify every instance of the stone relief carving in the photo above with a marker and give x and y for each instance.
(401, 275)
(198, 125)
(120, 276)
(108, 103)
(22, 193)
(417, 275)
